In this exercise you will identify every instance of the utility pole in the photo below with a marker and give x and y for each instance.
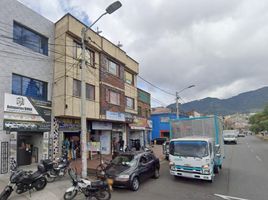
(177, 99)
(177, 104)
(110, 9)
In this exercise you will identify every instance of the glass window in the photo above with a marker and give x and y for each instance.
(77, 88)
(113, 68)
(30, 39)
(29, 87)
(114, 98)
(16, 84)
(139, 111)
(77, 53)
(129, 102)
(90, 91)
(129, 78)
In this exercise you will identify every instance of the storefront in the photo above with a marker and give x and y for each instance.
(107, 133)
(139, 132)
(28, 123)
(69, 137)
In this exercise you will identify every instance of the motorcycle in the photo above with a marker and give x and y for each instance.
(98, 189)
(24, 181)
(56, 169)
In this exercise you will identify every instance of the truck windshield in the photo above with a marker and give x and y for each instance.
(189, 148)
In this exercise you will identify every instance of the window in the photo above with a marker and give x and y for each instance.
(30, 39)
(113, 68)
(29, 87)
(139, 111)
(129, 102)
(77, 53)
(129, 78)
(147, 113)
(113, 97)
(77, 88)
(90, 91)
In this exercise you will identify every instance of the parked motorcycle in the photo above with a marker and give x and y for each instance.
(24, 181)
(98, 189)
(56, 169)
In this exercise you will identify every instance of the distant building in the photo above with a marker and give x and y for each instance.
(159, 110)
(161, 125)
(194, 113)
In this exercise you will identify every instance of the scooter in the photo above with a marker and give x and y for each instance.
(98, 189)
(24, 181)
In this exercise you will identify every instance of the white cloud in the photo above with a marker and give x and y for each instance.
(220, 46)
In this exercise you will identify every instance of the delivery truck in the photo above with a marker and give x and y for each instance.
(196, 148)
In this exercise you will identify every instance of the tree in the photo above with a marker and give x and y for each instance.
(259, 121)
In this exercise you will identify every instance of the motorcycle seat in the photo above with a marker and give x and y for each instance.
(35, 175)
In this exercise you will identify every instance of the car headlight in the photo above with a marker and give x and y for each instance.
(122, 177)
(172, 166)
(206, 169)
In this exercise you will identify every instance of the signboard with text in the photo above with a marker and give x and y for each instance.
(115, 116)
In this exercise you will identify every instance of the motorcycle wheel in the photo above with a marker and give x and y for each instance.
(70, 195)
(40, 184)
(6, 193)
(50, 179)
(104, 194)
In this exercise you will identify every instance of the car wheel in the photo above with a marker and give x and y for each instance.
(135, 184)
(156, 173)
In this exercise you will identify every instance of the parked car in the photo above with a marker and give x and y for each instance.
(129, 169)
(241, 134)
(159, 141)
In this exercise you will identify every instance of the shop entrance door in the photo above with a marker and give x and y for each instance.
(29, 148)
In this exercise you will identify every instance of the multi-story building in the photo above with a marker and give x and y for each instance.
(140, 129)
(26, 65)
(111, 90)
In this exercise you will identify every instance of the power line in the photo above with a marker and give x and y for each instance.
(169, 93)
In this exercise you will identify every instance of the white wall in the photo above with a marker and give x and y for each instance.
(15, 58)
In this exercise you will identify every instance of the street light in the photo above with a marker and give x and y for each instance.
(177, 99)
(109, 10)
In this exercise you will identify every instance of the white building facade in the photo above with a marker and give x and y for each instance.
(26, 66)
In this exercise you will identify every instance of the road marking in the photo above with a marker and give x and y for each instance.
(229, 197)
(258, 158)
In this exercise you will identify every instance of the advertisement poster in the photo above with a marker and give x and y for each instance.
(105, 139)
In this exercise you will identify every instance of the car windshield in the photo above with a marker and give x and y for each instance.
(189, 148)
(128, 160)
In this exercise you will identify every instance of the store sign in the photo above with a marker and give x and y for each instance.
(101, 126)
(164, 119)
(150, 124)
(26, 114)
(69, 125)
(26, 126)
(116, 116)
(18, 104)
(139, 124)
(129, 117)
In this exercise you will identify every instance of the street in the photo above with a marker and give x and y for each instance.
(244, 176)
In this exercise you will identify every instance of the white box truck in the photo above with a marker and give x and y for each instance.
(196, 148)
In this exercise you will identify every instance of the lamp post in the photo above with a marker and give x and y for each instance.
(109, 10)
(177, 99)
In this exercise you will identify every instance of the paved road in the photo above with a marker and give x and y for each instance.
(244, 175)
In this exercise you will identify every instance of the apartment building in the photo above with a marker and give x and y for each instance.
(26, 65)
(111, 90)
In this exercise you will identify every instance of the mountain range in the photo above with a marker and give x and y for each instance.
(247, 102)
